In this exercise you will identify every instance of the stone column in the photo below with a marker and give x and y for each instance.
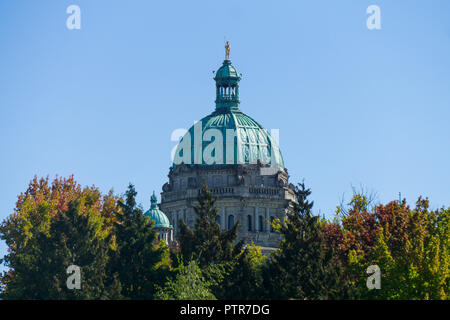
(255, 219)
(223, 219)
(175, 221)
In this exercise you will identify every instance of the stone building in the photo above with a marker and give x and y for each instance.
(239, 161)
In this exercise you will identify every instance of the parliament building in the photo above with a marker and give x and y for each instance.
(240, 162)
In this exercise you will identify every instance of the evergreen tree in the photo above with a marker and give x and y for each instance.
(216, 252)
(303, 267)
(75, 243)
(139, 262)
(244, 281)
(206, 242)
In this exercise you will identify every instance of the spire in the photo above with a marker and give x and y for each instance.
(153, 201)
(227, 85)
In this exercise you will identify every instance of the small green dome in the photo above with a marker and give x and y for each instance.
(156, 215)
(226, 71)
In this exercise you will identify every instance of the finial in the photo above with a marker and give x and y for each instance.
(227, 50)
(153, 200)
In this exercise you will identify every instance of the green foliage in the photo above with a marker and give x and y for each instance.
(207, 243)
(58, 225)
(52, 228)
(304, 267)
(219, 256)
(244, 281)
(139, 263)
(189, 284)
(411, 248)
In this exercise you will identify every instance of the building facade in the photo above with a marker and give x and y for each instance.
(239, 161)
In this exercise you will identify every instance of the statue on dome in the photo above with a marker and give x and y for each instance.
(227, 50)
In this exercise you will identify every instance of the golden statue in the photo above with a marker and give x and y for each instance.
(227, 51)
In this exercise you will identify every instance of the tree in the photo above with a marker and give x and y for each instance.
(244, 281)
(207, 243)
(189, 284)
(411, 248)
(304, 267)
(412, 253)
(217, 252)
(139, 262)
(53, 227)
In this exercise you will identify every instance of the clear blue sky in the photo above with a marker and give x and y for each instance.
(353, 106)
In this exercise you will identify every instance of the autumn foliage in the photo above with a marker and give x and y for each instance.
(411, 247)
(59, 223)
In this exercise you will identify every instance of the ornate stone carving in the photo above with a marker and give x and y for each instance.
(192, 182)
(167, 187)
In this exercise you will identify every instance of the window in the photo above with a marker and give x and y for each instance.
(218, 220)
(192, 182)
(261, 223)
(230, 221)
(217, 181)
(271, 227)
(249, 223)
(231, 180)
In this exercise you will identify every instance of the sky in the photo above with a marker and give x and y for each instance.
(354, 107)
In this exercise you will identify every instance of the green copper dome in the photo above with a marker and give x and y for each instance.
(226, 71)
(228, 136)
(156, 215)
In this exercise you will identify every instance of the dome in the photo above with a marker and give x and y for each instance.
(156, 215)
(226, 71)
(228, 136)
(251, 143)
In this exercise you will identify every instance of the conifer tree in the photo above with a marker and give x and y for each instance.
(206, 242)
(244, 281)
(303, 267)
(139, 262)
(216, 251)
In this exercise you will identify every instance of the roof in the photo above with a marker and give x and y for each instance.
(227, 70)
(251, 143)
(156, 215)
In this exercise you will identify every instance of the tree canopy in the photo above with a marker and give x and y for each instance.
(59, 224)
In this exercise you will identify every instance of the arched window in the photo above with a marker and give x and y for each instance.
(261, 223)
(218, 220)
(249, 223)
(230, 221)
(217, 181)
(271, 221)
